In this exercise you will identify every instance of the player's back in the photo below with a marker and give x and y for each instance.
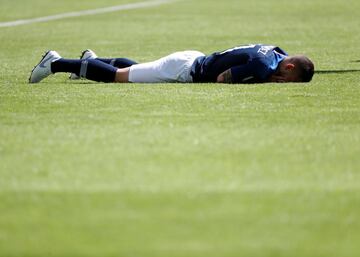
(261, 57)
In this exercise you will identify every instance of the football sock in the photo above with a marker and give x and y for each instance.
(91, 69)
(66, 65)
(118, 62)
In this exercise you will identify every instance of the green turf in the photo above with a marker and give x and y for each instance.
(178, 170)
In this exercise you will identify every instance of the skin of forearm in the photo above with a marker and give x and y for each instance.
(225, 77)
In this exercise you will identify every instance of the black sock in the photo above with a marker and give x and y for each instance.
(91, 69)
(98, 71)
(118, 62)
(66, 65)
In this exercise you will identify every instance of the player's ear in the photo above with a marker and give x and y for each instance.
(289, 66)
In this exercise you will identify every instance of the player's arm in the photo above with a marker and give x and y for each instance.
(237, 74)
(245, 73)
(225, 77)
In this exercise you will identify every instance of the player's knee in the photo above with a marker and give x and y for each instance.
(122, 75)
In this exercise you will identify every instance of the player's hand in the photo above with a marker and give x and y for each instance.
(224, 77)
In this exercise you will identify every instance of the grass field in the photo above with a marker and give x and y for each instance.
(175, 170)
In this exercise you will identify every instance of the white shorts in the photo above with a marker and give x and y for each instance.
(175, 67)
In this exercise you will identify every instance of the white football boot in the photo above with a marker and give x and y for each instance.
(43, 69)
(87, 54)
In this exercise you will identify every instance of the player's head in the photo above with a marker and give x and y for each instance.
(297, 68)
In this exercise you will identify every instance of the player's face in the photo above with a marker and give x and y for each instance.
(283, 78)
(291, 77)
(285, 73)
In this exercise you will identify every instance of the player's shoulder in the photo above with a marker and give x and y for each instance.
(267, 53)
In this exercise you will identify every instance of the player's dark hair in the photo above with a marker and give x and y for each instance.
(305, 67)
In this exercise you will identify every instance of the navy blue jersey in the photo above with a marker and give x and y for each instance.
(248, 64)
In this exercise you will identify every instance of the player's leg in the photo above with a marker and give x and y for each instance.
(87, 54)
(173, 68)
(116, 62)
(91, 69)
(122, 75)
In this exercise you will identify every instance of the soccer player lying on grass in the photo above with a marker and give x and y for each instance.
(244, 64)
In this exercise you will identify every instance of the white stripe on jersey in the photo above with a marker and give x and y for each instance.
(238, 47)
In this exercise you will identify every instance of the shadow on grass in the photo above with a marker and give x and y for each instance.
(335, 71)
